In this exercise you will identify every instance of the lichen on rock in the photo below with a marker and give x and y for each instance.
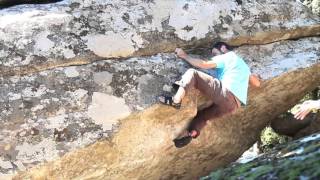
(296, 160)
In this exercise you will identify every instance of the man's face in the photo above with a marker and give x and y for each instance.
(215, 52)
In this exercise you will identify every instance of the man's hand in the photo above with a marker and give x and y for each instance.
(180, 53)
(306, 108)
(196, 62)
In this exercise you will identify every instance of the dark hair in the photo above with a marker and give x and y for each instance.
(219, 44)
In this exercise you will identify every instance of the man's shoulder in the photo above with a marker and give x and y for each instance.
(231, 55)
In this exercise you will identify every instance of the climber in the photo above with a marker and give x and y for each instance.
(306, 107)
(226, 92)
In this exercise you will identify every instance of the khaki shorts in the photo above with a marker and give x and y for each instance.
(223, 101)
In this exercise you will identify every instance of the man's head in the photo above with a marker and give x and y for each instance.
(220, 48)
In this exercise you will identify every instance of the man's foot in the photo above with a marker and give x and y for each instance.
(168, 100)
(185, 138)
(182, 141)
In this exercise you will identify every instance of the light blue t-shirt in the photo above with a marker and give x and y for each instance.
(233, 73)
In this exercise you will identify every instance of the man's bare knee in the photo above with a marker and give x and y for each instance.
(190, 72)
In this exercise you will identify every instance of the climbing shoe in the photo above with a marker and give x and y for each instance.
(182, 141)
(167, 100)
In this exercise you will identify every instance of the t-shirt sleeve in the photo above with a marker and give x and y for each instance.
(219, 60)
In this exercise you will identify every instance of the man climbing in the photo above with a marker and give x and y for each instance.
(226, 92)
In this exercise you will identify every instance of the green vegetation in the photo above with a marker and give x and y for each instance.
(294, 161)
(270, 139)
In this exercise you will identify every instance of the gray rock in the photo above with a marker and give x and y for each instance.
(62, 86)
(314, 5)
(75, 32)
(52, 112)
(8, 3)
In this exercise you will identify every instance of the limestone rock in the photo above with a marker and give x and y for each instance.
(291, 68)
(314, 127)
(314, 5)
(290, 126)
(59, 65)
(39, 37)
(7, 3)
(49, 113)
(61, 104)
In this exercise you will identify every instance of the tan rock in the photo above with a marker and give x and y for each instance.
(143, 148)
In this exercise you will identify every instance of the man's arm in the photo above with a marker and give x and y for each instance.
(195, 61)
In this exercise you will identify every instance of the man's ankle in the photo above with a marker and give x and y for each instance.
(194, 133)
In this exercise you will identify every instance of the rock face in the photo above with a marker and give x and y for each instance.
(67, 108)
(296, 128)
(140, 154)
(49, 113)
(7, 3)
(34, 38)
(314, 5)
(299, 159)
(63, 85)
(314, 127)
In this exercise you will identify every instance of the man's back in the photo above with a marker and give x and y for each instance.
(234, 73)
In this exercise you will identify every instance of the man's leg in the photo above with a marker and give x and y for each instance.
(199, 80)
(177, 98)
(195, 126)
(201, 119)
(209, 86)
(226, 106)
